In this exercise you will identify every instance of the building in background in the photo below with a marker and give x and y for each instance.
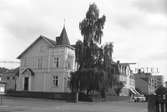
(144, 83)
(159, 80)
(127, 77)
(46, 65)
(10, 78)
(147, 83)
(123, 73)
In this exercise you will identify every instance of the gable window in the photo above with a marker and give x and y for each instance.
(40, 62)
(55, 81)
(56, 61)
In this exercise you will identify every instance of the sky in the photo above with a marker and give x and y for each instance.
(137, 28)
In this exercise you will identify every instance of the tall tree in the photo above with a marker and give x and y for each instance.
(89, 54)
(91, 28)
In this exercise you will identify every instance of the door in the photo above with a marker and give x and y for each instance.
(26, 83)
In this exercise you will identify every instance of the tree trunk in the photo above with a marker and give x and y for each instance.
(76, 97)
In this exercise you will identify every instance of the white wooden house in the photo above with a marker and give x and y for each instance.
(46, 65)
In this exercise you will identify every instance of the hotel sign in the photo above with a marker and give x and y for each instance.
(147, 70)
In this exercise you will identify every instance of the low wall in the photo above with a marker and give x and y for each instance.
(48, 95)
(65, 96)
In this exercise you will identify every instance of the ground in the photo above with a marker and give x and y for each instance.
(12, 104)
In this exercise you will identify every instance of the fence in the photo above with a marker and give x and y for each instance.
(157, 103)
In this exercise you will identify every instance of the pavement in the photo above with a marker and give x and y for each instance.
(15, 104)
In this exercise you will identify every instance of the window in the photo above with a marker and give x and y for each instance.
(13, 78)
(55, 81)
(56, 61)
(40, 62)
(57, 64)
(8, 78)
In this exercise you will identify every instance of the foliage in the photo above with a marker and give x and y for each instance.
(91, 26)
(118, 88)
(108, 50)
(161, 90)
(4, 70)
(91, 29)
(79, 53)
(88, 79)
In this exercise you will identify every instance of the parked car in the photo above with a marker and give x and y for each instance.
(139, 98)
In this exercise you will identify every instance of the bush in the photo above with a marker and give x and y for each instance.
(161, 90)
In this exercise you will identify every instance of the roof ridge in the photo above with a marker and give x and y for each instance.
(49, 40)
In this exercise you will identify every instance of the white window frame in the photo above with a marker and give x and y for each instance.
(55, 79)
(56, 61)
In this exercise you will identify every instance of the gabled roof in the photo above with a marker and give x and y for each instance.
(49, 41)
(63, 38)
(61, 41)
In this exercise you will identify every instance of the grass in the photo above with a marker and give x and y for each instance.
(12, 104)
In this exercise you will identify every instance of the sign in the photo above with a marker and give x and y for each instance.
(2, 88)
(147, 70)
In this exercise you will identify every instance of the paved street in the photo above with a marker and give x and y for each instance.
(12, 104)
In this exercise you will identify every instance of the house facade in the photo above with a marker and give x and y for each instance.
(123, 73)
(127, 78)
(46, 65)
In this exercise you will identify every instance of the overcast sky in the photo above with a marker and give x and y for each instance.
(138, 28)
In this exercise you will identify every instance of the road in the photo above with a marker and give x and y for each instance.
(12, 104)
